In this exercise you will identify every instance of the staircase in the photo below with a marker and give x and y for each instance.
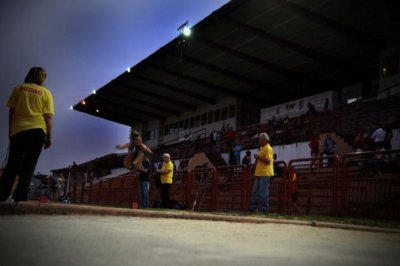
(216, 159)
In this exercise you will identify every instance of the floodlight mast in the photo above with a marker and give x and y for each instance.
(184, 29)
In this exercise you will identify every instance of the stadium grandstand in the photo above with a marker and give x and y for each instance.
(294, 69)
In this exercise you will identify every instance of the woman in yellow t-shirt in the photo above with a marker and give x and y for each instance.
(166, 173)
(30, 124)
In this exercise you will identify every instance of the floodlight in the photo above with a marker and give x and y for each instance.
(186, 31)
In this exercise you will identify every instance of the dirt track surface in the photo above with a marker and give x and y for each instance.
(107, 240)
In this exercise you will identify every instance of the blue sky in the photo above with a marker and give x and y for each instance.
(83, 44)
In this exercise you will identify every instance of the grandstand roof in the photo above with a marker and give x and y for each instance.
(265, 52)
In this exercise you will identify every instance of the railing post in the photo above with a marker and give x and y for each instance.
(75, 185)
(121, 189)
(90, 191)
(82, 190)
(214, 188)
(99, 192)
(109, 194)
(282, 189)
(188, 188)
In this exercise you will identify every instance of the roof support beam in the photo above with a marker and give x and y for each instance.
(332, 24)
(169, 100)
(108, 114)
(194, 95)
(122, 97)
(116, 106)
(313, 54)
(251, 59)
(252, 82)
(207, 84)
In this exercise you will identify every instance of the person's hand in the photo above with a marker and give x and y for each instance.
(256, 156)
(47, 143)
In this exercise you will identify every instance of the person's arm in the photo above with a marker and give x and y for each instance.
(48, 119)
(165, 171)
(145, 148)
(10, 115)
(265, 160)
(144, 169)
(122, 146)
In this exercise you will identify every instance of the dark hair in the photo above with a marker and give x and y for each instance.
(34, 75)
(134, 134)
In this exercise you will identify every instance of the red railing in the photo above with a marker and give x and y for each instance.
(371, 184)
(324, 186)
(312, 186)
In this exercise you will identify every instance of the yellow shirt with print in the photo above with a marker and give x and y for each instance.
(263, 169)
(167, 178)
(30, 101)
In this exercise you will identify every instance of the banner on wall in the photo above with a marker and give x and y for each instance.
(321, 102)
(184, 135)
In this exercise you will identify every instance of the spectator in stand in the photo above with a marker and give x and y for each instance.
(272, 122)
(247, 159)
(326, 105)
(388, 139)
(263, 172)
(311, 109)
(197, 145)
(378, 138)
(278, 168)
(314, 147)
(237, 149)
(360, 141)
(231, 156)
(230, 136)
(213, 138)
(166, 173)
(329, 148)
(144, 179)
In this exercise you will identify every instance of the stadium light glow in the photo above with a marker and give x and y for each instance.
(93, 91)
(83, 102)
(128, 70)
(184, 29)
(71, 108)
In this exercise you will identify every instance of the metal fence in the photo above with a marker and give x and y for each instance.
(358, 184)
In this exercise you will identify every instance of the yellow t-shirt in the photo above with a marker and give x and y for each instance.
(30, 101)
(263, 169)
(167, 178)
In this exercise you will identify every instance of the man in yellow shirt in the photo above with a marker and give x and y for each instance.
(166, 173)
(264, 171)
(30, 127)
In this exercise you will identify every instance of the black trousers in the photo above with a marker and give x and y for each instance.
(165, 195)
(25, 149)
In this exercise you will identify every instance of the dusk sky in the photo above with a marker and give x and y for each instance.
(83, 44)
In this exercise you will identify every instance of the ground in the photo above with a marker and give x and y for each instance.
(119, 240)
